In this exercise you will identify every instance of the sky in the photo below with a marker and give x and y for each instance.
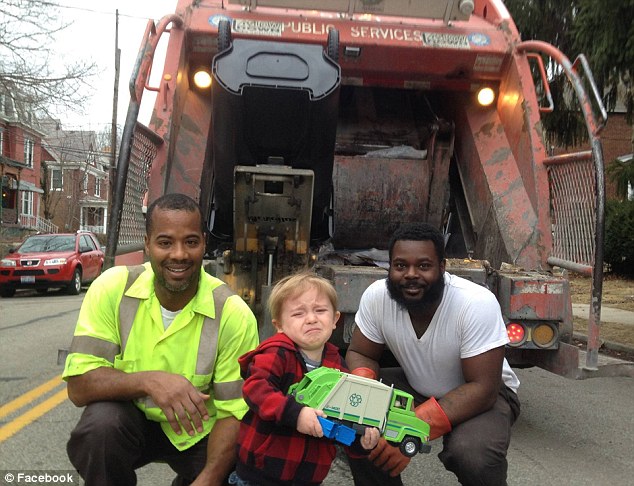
(92, 37)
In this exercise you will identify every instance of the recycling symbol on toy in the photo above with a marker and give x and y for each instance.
(355, 399)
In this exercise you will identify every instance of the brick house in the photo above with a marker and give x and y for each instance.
(74, 180)
(617, 139)
(20, 165)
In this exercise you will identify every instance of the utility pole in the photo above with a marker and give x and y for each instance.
(115, 101)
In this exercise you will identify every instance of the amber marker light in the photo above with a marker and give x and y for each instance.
(544, 335)
(202, 79)
(516, 333)
(486, 96)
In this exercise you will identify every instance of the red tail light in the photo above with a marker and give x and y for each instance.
(516, 333)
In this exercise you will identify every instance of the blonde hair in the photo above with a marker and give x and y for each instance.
(297, 284)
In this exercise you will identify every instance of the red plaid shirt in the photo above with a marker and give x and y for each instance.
(270, 449)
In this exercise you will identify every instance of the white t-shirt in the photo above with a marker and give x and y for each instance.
(468, 322)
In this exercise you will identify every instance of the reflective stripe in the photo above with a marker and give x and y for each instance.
(207, 347)
(94, 346)
(228, 391)
(128, 306)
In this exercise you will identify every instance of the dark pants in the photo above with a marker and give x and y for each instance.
(112, 439)
(475, 450)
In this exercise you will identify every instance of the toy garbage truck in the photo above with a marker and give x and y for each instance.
(353, 403)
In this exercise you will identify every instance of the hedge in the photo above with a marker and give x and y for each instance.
(619, 237)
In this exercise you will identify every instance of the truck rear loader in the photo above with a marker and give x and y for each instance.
(324, 125)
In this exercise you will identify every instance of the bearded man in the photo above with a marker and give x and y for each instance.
(448, 336)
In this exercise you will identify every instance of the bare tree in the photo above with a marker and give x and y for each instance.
(30, 71)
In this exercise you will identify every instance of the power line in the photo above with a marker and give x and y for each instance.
(90, 10)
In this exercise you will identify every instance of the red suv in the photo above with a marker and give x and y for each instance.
(60, 260)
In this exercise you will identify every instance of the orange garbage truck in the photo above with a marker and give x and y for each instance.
(309, 130)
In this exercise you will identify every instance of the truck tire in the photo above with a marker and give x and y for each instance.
(224, 35)
(332, 49)
(410, 446)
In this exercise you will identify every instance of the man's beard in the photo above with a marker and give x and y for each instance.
(178, 288)
(432, 294)
(182, 287)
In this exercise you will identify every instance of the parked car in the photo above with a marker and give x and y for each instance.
(45, 261)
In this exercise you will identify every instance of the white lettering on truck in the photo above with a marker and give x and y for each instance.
(364, 32)
(308, 28)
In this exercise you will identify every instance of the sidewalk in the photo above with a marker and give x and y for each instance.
(608, 314)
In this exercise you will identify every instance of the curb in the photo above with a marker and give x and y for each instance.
(621, 348)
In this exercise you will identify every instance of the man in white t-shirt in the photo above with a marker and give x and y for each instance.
(448, 336)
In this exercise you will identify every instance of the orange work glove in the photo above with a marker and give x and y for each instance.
(431, 412)
(388, 458)
(365, 372)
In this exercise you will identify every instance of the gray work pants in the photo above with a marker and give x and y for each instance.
(113, 439)
(475, 451)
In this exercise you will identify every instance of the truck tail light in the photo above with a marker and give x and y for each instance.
(516, 333)
(544, 335)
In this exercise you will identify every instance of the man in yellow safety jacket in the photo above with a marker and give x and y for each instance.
(154, 360)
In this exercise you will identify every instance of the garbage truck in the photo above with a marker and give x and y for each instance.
(353, 403)
(309, 131)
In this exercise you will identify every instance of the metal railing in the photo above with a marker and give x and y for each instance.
(138, 148)
(580, 178)
(93, 228)
(37, 223)
(145, 144)
(573, 208)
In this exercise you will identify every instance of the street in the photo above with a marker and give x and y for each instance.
(569, 432)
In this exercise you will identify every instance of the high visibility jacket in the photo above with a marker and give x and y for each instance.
(120, 326)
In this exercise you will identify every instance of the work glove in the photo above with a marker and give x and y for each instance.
(365, 372)
(432, 413)
(388, 458)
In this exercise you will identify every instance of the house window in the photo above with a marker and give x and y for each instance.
(57, 181)
(28, 152)
(85, 183)
(97, 187)
(1, 141)
(27, 203)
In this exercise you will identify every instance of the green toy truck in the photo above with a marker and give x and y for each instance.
(353, 403)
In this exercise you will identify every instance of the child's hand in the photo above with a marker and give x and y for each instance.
(370, 438)
(307, 422)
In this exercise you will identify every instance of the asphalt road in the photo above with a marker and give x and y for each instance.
(569, 432)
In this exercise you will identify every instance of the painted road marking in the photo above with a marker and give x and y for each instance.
(29, 396)
(34, 413)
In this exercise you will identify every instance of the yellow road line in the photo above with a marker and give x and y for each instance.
(36, 412)
(29, 396)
